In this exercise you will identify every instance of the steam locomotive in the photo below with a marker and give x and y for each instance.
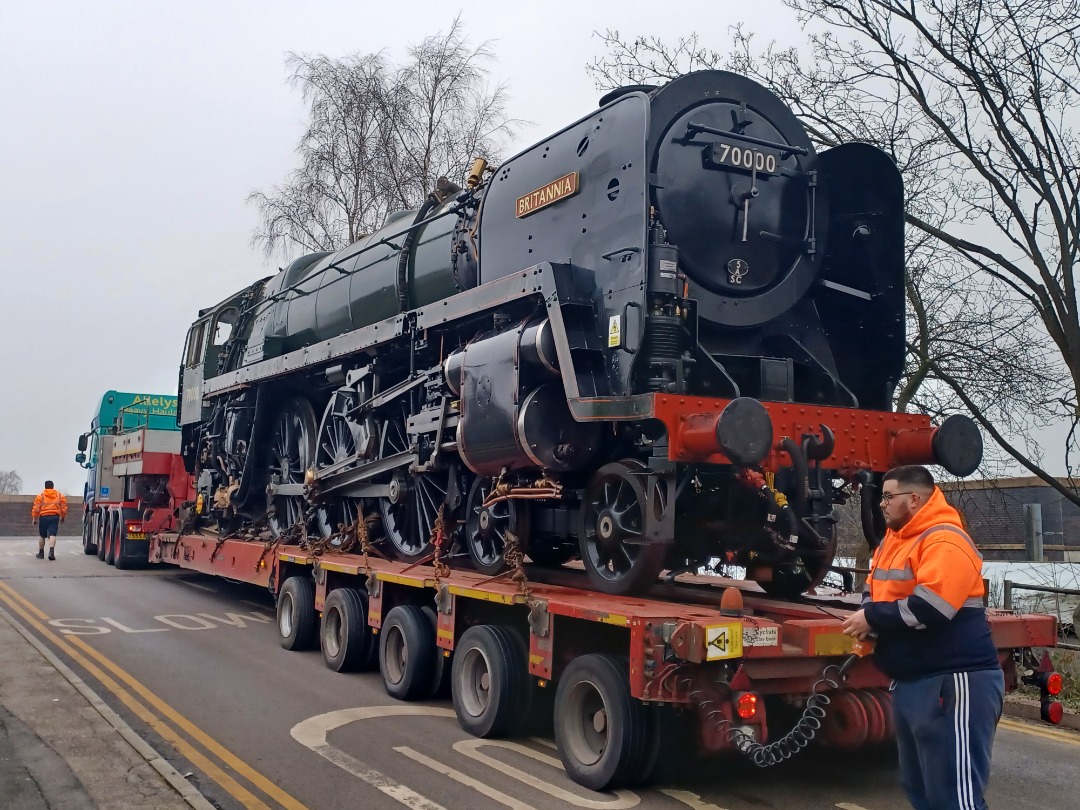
(665, 336)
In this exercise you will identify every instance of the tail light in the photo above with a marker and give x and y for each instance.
(134, 525)
(1050, 683)
(746, 705)
(1052, 711)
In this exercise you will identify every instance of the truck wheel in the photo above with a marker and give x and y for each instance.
(407, 653)
(440, 676)
(114, 537)
(347, 643)
(490, 681)
(88, 545)
(602, 732)
(296, 618)
(101, 526)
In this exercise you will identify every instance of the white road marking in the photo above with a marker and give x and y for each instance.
(468, 781)
(127, 629)
(196, 585)
(471, 748)
(849, 806)
(690, 799)
(312, 733)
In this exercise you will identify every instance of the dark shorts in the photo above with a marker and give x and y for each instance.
(48, 525)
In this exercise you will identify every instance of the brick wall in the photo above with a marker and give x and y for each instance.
(15, 517)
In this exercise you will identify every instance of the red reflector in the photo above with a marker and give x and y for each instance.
(1052, 684)
(1052, 711)
(746, 705)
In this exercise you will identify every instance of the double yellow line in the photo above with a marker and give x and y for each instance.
(112, 676)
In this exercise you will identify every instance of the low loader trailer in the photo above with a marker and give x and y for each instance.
(698, 666)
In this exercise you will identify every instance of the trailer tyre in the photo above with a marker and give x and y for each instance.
(120, 550)
(347, 642)
(101, 526)
(88, 545)
(605, 737)
(440, 676)
(296, 617)
(114, 538)
(407, 653)
(490, 681)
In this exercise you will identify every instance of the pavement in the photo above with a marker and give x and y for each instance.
(63, 748)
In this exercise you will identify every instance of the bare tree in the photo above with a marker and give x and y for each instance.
(10, 482)
(379, 136)
(973, 100)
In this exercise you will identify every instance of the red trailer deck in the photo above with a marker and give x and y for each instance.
(759, 675)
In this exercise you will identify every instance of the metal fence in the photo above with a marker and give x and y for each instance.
(1007, 599)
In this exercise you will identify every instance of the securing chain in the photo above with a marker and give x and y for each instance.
(438, 533)
(801, 734)
(514, 557)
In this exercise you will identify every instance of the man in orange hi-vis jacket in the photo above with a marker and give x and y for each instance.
(924, 604)
(50, 509)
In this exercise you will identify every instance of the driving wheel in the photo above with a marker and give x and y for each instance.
(292, 452)
(612, 530)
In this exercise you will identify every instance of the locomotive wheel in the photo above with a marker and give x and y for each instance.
(292, 452)
(409, 514)
(792, 580)
(296, 618)
(605, 737)
(331, 516)
(612, 519)
(407, 653)
(490, 681)
(486, 528)
(347, 642)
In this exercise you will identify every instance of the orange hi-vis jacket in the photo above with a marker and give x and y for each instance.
(924, 598)
(49, 502)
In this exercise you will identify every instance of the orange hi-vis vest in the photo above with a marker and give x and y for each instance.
(925, 598)
(49, 502)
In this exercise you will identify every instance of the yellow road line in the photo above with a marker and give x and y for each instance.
(245, 797)
(1049, 732)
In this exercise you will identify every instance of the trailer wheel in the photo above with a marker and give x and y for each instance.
(101, 526)
(490, 681)
(347, 643)
(440, 676)
(88, 545)
(113, 534)
(602, 732)
(407, 653)
(296, 617)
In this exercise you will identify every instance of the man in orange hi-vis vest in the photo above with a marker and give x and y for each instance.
(50, 509)
(924, 603)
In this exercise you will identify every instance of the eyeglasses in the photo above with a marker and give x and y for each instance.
(888, 496)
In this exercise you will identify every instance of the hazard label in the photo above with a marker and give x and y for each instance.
(614, 331)
(723, 641)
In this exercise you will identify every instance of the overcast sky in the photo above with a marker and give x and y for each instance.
(132, 132)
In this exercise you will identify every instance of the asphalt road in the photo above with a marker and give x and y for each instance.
(194, 665)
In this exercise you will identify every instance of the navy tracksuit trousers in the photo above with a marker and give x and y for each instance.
(945, 731)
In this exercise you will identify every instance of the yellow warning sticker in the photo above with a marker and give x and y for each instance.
(614, 332)
(723, 641)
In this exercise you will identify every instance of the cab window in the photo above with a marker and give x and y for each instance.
(194, 355)
(223, 326)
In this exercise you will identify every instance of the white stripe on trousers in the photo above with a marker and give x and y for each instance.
(965, 791)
